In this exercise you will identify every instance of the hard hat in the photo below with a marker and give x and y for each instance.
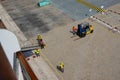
(61, 63)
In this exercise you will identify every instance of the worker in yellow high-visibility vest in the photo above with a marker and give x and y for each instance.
(61, 66)
(39, 38)
(40, 41)
(37, 52)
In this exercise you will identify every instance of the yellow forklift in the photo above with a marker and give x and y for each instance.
(84, 29)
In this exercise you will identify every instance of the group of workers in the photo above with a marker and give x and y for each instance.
(41, 44)
(60, 66)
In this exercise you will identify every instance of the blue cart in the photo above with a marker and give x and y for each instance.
(44, 3)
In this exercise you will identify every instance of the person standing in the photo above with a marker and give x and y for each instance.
(40, 41)
(42, 44)
(74, 29)
(37, 52)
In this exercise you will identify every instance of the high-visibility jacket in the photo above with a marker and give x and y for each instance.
(74, 28)
(61, 65)
(37, 51)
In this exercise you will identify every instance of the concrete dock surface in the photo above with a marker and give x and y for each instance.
(41, 69)
(95, 57)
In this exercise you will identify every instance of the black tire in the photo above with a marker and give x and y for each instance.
(83, 35)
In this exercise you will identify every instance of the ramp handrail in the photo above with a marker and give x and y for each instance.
(26, 66)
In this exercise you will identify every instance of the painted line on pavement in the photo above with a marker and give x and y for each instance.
(51, 65)
(91, 6)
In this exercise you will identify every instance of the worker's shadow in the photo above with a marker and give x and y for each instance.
(74, 36)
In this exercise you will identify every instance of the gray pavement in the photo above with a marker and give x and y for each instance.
(41, 69)
(32, 19)
(78, 11)
(95, 57)
(11, 26)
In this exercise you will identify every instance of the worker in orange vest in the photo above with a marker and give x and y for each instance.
(74, 29)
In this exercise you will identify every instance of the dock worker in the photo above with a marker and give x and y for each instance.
(74, 29)
(37, 52)
(40, 41)
(61, 66)
(42, 44)
(39, 38)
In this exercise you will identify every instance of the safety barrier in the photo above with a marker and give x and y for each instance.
(115, 29)
(114, 11)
